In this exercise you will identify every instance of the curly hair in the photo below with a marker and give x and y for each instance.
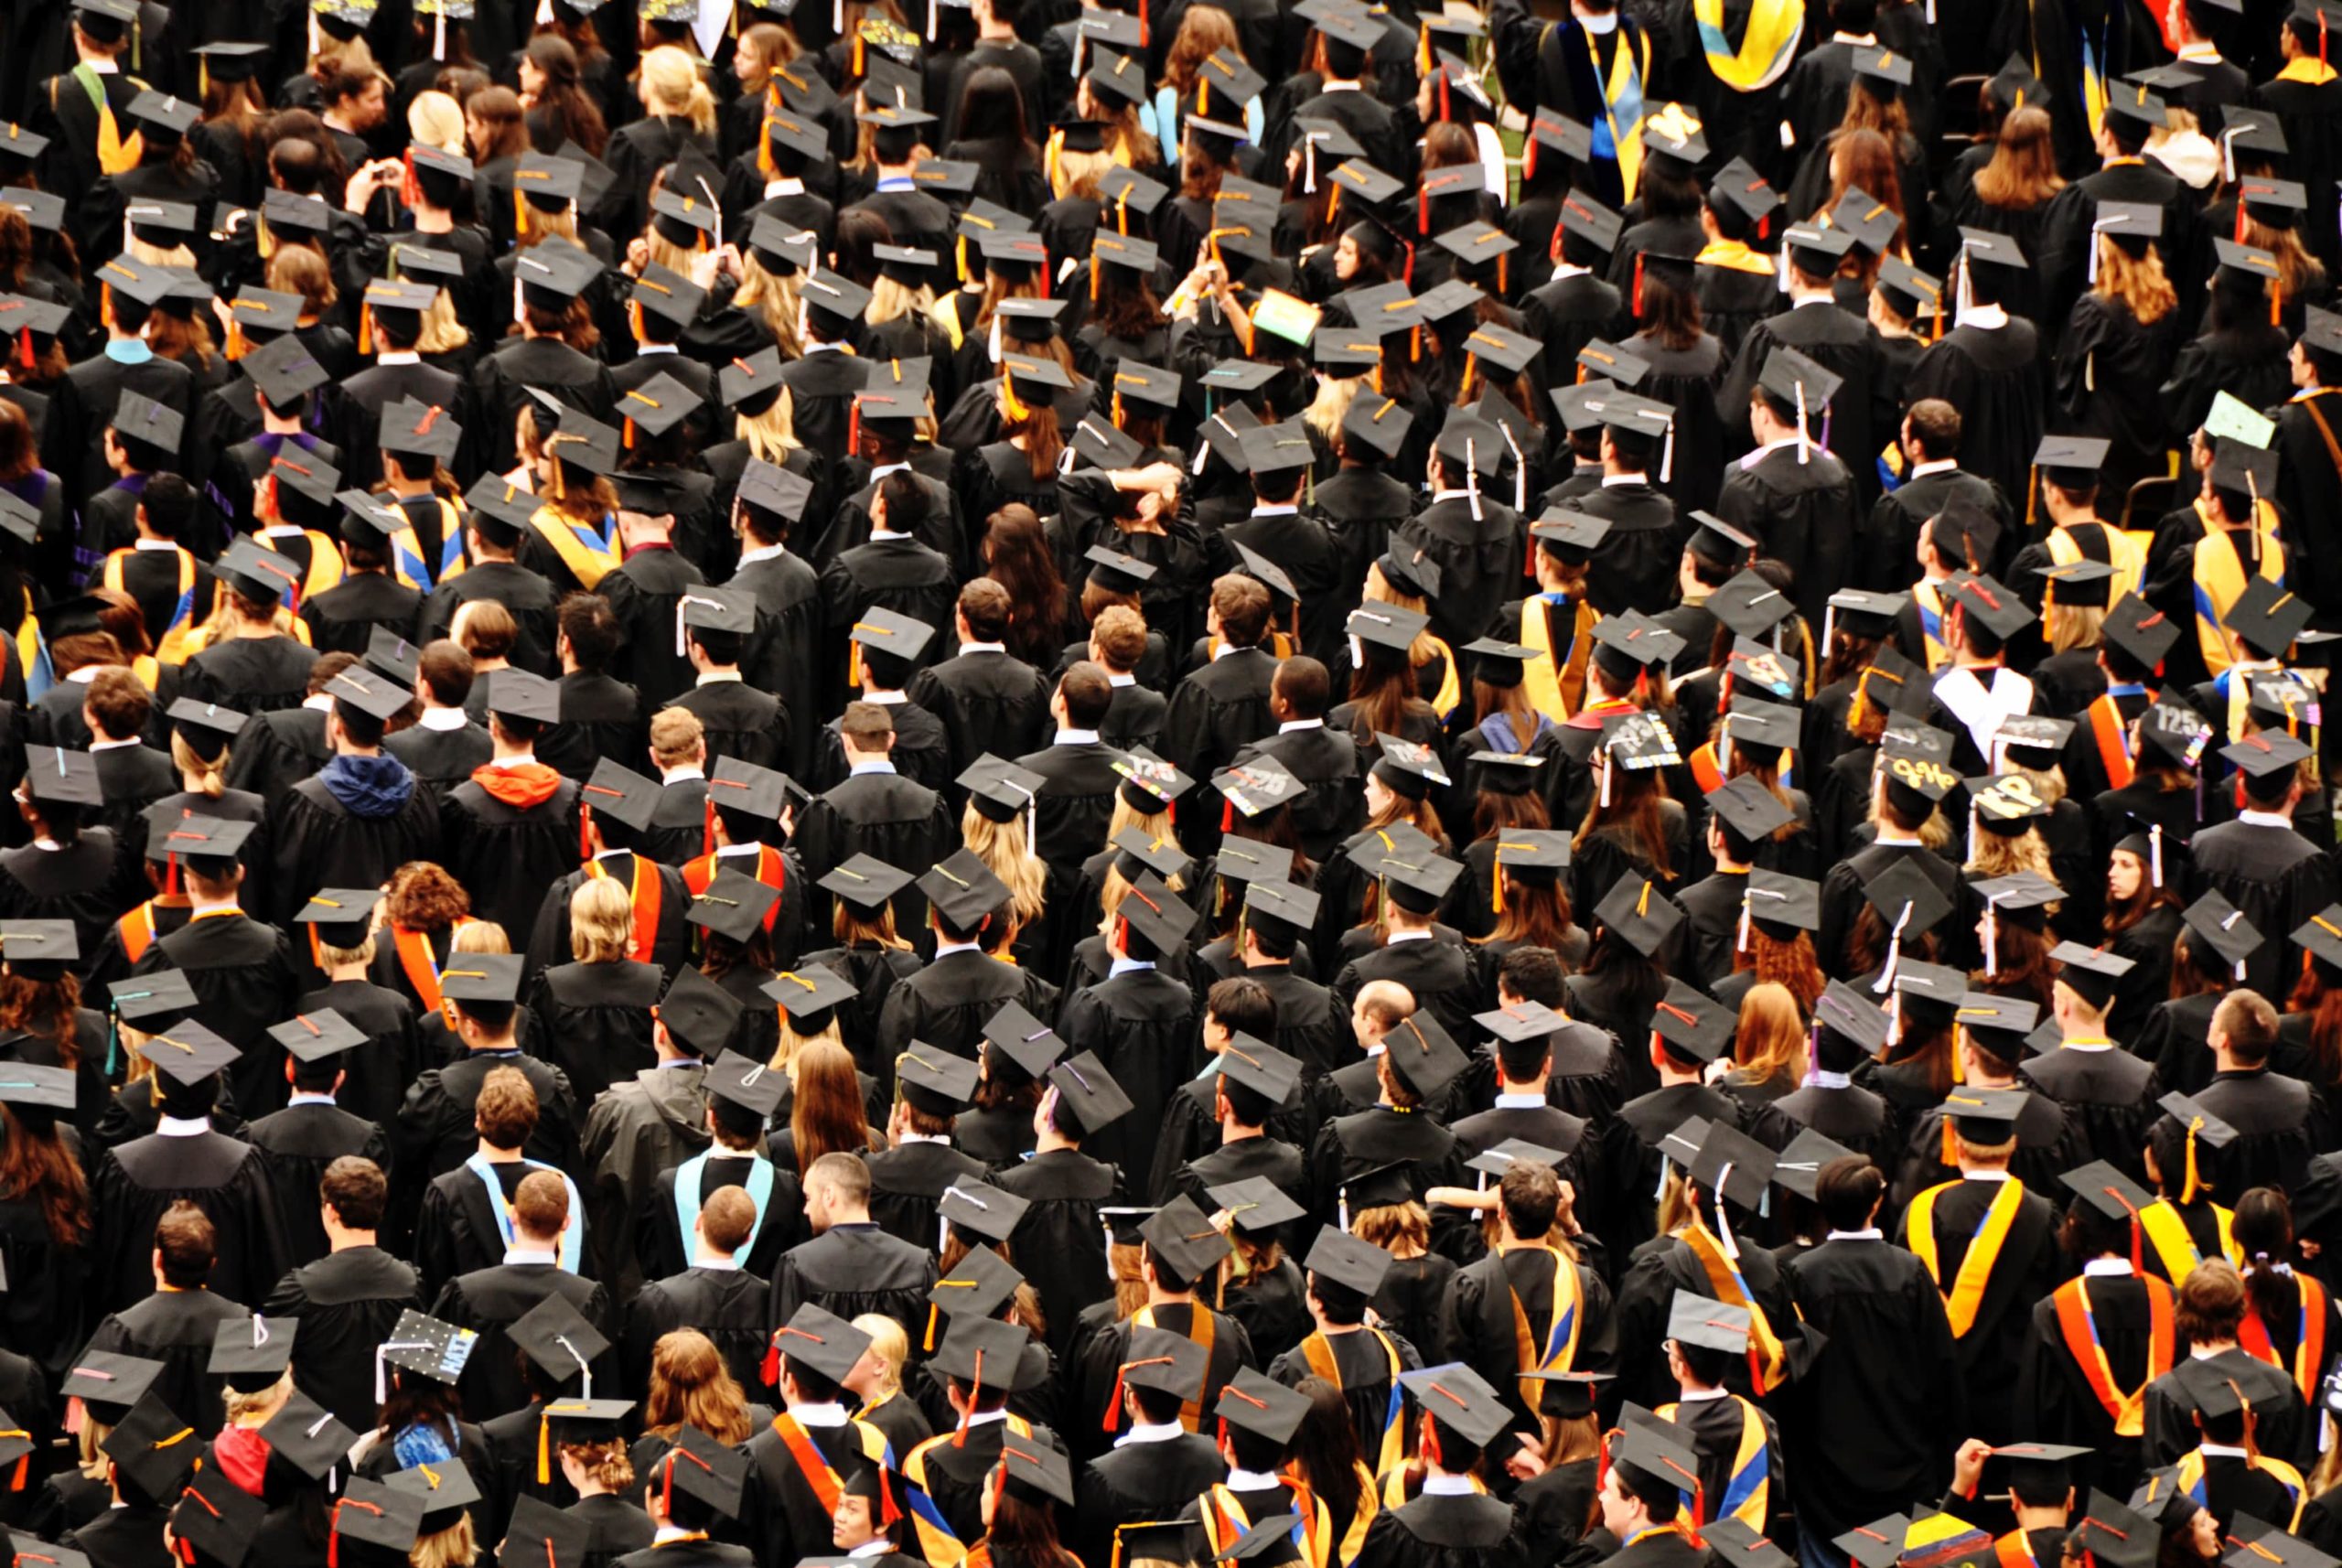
(424, 897)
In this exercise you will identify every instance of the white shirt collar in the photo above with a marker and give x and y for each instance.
(525, 759)
(1520, 1101)
(986, 1417)
(1565, 269)
(1123, 966)
(296, 1098)
(2266, 820)
(878, 1548)
(182, 1126)
(644, 350)
(2098, 1266)
(1984, 1176)
(882, 470)
(885, 698)
(2219, 1451)
(783, 187)
(945, 949)
(1077, 737)
(762, 552)
(530, 1255)
(880, 765)
(1820, 1079)
(1395, 938)
(114, 744)
(716, 677)
(829, 1414)
(682, 772)
(1268, 508)
(1252, 1480)
(136, 544)
(1448, 1485)
(1872, 1234)
(1700, 1396)
(717, 1265)
(738, 849)
(1121, 680)
(1147, 1431)
(443, 719)
(1612, 481)
(1939, 466)
(408, 357)
(1290, 725)
(984, 647)
(942, 1138)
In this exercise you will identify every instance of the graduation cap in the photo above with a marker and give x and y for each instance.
(1638, 741)
(2090, 973)
(1798, 384)
(710, 1471)
(218, 1517)
(37, 1088)
(978, 1206)
(1157, 913)
(978, 1286)
(936, 1082)
(963, 889)
(2265, 754)
(746, 1081)
(1734, 1165)
(141, 281)
(1159, 1360)
(1254, 1402)
(863, 881)
(1126, 190)
(1256, 1206)
(188, 1053)
(483, 977)
(1261, 784)
(1589, 220)
(315, 1037)
(151, 1445)
(1872, 222)
(2108, 1532)
(1710, 1325)
(1786, 904)
(2140, 630)
(142, 419)
(2224, 927)
(1997, 609)
(2265, 615)
(1460, 1400)
(1799, 1166)
(1695, 1026)
(543, 1536)
(2138, 106)
(821, 1340)
(558, 1339)
(1035, 1473)
(1656, 1462)
(1674, 132)
(1086, 1090)
(1639, 913)
(810, 995)
(386, 650)
(1450, 299)
(153, 1000)
(1986, 1116)
(444, 1487)
(1735, 1543)
(1817, 248)
(1261, 1068)
(426, 1346)
(1753, 812)
(1381, 423)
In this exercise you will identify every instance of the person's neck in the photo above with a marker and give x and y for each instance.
(1231, 1131)
(334, 121)
(122, 335)
(992, 32)
(853, 1216)
(1403, 927)
(508, 1041)
(346, 974)
(2030, 1519)
(2203, 1343)
(495, 1156)
(351, 749)
(274, 424)
(2064, 516)
(704, 1254)
(1050, 1141)
(1535, 1086)
(1802, 289)
(507, 752)
(1970, 1166)
(1669, 1077)
(1157, 1296)
(402, 487)
(342, 1240)
(1975, 662)
(433, 220)
(2223, 1062)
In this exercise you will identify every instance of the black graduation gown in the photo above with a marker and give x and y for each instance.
(785, 1514)
(2027, 1266)
(907, 1183)
(852, 1269)
(505, 855)
(1635, 568)
(1098, 1361)
(490, 1300)
(665, 1249)
(633, 1133)
(1997, 373)
(881, 814)
(78, 883)
(1363, 1361)
(257, 674)
(2276, 876)
(2246, 362)
(1349, 1146)
(241, 970)
(688, 1553)
(348, 1303)
(1480, 1310)
(128, 1536)
(526, 594)
(434, 1132)
(1142, 1026)
(2110, 371)
(617, 1527)
(2107, 1097)
(593, 1021)
(1136, 1483)
(2281, 1124)
(300, 1142)
(948, 1003)
(726, 1304)
(176, 1327)
(1880, 1316)
(1460, 1531)
(132, 1187)
(1804, 514)
(1061, 1247)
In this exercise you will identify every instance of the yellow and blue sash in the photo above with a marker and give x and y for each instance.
(1967, 1294)
(1748, 1493)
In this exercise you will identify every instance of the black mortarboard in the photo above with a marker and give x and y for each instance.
(188, 1053)
(482, 977)
(2222, 924)
(428, 1347)
(540, 1535)
(1259, 1405)
(936, 1082)
(821, 1340)
(315, 1036)
(963, 889)
(151, 1444)
(981, 1209)
(1710, 1325)
(216, 1517)
(1695, 1026)
(558, 1339)
(1459, 1399)
(1088, 1090)
(154, 1000)
(713, 1473)
(520, 694)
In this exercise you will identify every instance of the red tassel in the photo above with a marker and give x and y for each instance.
(770, 1371)
(1638, 282)
(25, 355)
(585, 826)
(708, 827)
(1227, 815)
(959, 1438)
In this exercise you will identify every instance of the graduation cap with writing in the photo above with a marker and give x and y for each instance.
(1638, 741)
(426, 1345)
(1261, 784)
(1695, 1026)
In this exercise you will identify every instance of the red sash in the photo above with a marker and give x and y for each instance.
(2113, 751)
(421, 966)
(2077, 1327)
(772, 870)
(2309, 1349)
(810, 1463)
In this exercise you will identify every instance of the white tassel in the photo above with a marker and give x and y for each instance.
(1724, 1226)
(1991, 941)
(1971, 833)
(1519, 470)
(1606, 780)
(2154, 854)
(1667, 457)
(1741, 943)
(992, 344)
(1308, 165)
(1804, 453)
(439, 33)
(1828, 629)
(1472, 474)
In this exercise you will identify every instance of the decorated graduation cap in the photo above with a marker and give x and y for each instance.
(427, 1347)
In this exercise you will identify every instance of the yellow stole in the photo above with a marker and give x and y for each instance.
(1967, 1294)
(1728, 1285)
(2220, 580)
(1556, 687)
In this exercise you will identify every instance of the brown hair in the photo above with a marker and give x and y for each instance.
(506, 1111)
(728, 1218)
(690, 1385)
(490, 631)
(826, 1116)
(19, 453)
(40, 1165)
(446, 666)
(184, 1237)
(2023, 173)
(2137, 283)
(869, 726)
(2250, 1024)
(1243, 607)
(498, 109)
(297, 269)
(357, 1190)
(1204, 31)
(1770, 1044)
(120, 702)
(424, 897)
(2210, 1301)
(541, 1203)
(1120, 633)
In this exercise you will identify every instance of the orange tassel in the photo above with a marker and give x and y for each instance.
(365, 332)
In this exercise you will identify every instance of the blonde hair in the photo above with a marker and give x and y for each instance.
(436, 120)
(208, 779)
(671, 85)
(774, 296)
(788, 1042)
(334, 957)
(1077, 174)
(240, 1407)
(1998, 854)
(606, 1464)
(2138, 282)
(443, 331)
(155, 255)
(675, 734)
(1117, 888)
(891, 299)
(759, 51)
(453, 1547)
(772, 435)
(1426, 647)
(601, 921)
(1402, 1230)
(665, 253)
(1332, 405)
(2068, 626)
(1770, 1043)
(1001, 847)
(890, 1345)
